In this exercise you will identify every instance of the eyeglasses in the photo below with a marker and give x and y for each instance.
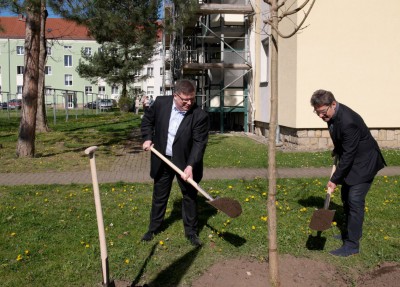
(324, 112)
(186, 100)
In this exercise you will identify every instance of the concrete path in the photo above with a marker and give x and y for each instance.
(134, 167)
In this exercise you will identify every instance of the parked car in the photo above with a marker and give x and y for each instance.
(15, 104)
(4, 105)
(103, 104)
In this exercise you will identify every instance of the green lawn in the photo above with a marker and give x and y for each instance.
(49, 233)
(62, 148)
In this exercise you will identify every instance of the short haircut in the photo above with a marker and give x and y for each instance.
(186, 87)
(322, 98)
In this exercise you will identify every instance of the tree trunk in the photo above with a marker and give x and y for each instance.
(271, 204)
(26, 137)
(41, 118)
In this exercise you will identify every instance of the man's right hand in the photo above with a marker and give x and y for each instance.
(147, 145)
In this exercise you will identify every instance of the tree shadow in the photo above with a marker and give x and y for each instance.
(143, 268)
(172, 275)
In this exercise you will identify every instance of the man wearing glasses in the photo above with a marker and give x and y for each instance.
(178, 128)
(359, 160)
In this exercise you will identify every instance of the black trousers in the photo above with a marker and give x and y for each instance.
(353, 198)
(161, 191)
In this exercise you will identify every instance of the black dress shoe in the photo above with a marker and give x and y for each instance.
(148, 236)
(194, 240)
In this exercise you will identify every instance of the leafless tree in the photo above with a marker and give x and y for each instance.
(279, 9)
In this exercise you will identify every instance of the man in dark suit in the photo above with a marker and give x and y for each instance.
(359, 161)
(178, 128)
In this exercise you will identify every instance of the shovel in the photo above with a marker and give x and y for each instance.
(229, 206)
(322, 218)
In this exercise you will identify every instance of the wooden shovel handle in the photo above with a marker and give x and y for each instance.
(174, 167)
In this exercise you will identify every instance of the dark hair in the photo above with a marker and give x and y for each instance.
(322, 98)
(186, 87)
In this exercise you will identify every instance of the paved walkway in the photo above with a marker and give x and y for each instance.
(134, 167)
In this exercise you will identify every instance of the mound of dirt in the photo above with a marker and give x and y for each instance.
(294, 272)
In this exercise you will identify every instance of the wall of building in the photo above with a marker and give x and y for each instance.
(350, 49)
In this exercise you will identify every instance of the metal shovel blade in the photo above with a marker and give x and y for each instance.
(230, 207)
(322, 219)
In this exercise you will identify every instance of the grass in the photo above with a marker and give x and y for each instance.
(62, 148)
(49, 233)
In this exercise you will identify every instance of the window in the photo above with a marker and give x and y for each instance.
(137, 73)
(20, 70)
(88, 51)
(114, 90)
(88, 90)
(102, 90)
(161, 71)
(150, 71)
(264, 78)
(48, 51)
(47, 70)
(68, 79)
(19, 90)
(20, 50)
(67, 60)
(67, 47)
(150, 91)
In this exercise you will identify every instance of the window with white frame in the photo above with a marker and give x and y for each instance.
(150, 71)
(20, 50)
(138, 72)
(19, 90)
(67, 47)
(20, 70)
(68, 79)
(47, 70)
(48, 51)
(150, 90)
(67, 60)
(88, 90)
(88, 51)
(102, 90)
(114, 90)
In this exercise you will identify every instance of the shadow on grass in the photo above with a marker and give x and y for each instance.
(233, 239)
(172, 275)
(141, 271)
(317, 242)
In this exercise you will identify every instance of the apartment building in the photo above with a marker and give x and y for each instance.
(65, 41)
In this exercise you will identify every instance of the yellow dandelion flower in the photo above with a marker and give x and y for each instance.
(13, 234)
(247, 199)
(113, 189)
(161, 242)
(27, 253)
(127, 261)
(253, 227)
(230, 186)
(276, 203)
(334, 223)
(19, 257)
(264, 193)
(87, 245)
(46, 200)
(386, 237)
(252, 197)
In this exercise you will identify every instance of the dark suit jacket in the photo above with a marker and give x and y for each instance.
(359, 155)
(190, 140)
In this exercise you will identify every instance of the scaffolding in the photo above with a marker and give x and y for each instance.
(213, 50)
